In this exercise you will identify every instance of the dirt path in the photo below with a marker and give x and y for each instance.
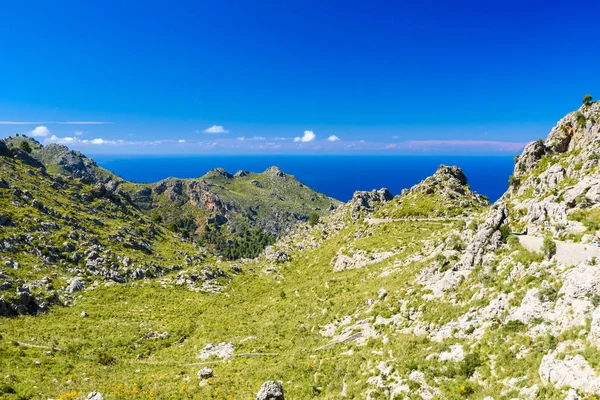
(566, 253)
(388, 220)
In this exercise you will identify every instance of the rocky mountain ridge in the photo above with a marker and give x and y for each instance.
(271, 202)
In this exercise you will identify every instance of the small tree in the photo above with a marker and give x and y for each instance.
(548, 247)
(25, 146)
(314, 219)
(587, 99)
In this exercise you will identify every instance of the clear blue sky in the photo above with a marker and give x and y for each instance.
(389, 77)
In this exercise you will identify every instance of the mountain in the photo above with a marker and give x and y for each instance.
(433, 293)
(263, 205)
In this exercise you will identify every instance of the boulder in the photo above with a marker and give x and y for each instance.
(271, 390)
(95, 396)
(75, 285)
(205, 373)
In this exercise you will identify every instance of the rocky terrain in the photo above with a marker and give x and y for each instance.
(268, 203)
(433, 293)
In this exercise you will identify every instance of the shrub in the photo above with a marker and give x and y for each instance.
(470, 364)
(504, 232)
(548, 247)
(106, 359)
(513, 326)
(512, 241)
(513, 181)
(156, 217)
(587, 99)
(455, 243)
(25, 146)
(547, 293)
(314, 219)
(580, 119)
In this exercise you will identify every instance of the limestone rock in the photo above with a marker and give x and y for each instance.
(368, 200)
(271, 390)
(571, 371)
(221, 350)
(205, 373)
(75, 285)
(95, 396)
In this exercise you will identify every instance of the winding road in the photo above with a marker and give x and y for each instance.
(566, 253)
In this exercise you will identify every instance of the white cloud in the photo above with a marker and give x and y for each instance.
(101, 141)
(333, 138)
(78, 133)
(216, 129)
(64, 140)
(309, 136)
(40, 131)
(181, 141)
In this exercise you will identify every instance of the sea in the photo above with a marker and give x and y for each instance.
(337, 176)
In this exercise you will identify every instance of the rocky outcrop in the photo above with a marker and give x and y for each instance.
(271, 390)
(221, 350)
(368, 201)
(488, 237)
(571, 371)
(359, 259)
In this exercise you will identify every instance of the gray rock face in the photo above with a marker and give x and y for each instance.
(529, 158)
(571, 371)
(368, 200)
(454, 173)
(487, 237)
(271, 390)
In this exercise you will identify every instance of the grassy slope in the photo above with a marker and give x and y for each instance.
(272, 310)
(72, 220)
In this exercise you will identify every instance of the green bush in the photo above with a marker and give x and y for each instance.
(25, 146)
(580, 119)
(548, 293)
(314, 219)
(548, 247)
(513, 326)
(470, 364)
(587, 99)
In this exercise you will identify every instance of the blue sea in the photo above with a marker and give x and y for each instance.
(336, 176)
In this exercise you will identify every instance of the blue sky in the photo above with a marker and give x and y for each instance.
(285, 77)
